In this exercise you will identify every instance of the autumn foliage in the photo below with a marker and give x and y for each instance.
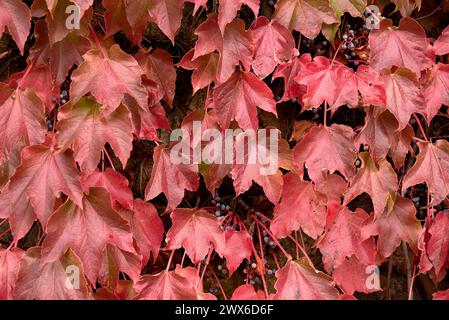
(93, 207)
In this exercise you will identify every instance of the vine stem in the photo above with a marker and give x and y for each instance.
(263, 261)
(109, 158)
(287, 255)
(5, 232)
(13, 244)
(219, 283)
(390, 269)
(97, 41)
(302, 238)
(298, 47)
(209, 253)
(332, 63)
(183, 257)
(418, 139)
(430, 14)
(55, 119)
(169, 260)
(407, 263)
(420, 127)
(410, 291)
(303, 250)
(296, 247)
(102, 160)
(276, 261)
(325, 114)
(336, 52)
(25, 75)
(242, 225)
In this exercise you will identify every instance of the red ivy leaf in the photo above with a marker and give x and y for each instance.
(167, 14)
(435, 90)
(301, 206)
(400, 146)
(9, 271)
(229, 8)
(247, 292)
(114, 182)
(326, 149)
(166, 285)
(238, 247)
(376, 178)
(431, 167)
(43, 174)
(195, 230)
(273, 44)
(169, 178)
(354, 7)
(88, 229)
(371, 86)
(441, 295)
(238, 97)
(352, 276)
(380, 126)
(266, 174)
(403, 95)
(83, 127)
(235, 45)
(205, 68)
(437, 247)
(394, 225)
(441, 45)
(288, 72)
(22, 118)
(147, 229)
(158, 66)
(16, 18)
(38, 280)
(305, 16)
(404, 46)
(344, 239)
(329, 82)
(115, 261)
(298, 280)
(108, 75)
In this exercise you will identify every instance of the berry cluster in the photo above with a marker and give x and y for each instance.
(222, 212)
(253, 277)
(58, 101)
(355, 47)
(316, 114)
(418, 194)
(214, 289)
(316, 47)
(222, 208)
(62, 99)
(266, 237)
